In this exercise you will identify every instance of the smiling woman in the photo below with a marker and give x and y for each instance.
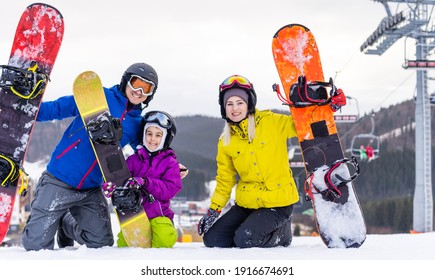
(236, 105)
(253, 147)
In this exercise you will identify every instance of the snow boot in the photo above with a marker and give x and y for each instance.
(62, 239)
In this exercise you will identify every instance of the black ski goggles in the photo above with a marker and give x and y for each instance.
(159, 118)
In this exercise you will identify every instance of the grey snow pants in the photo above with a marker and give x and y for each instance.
(84, 215)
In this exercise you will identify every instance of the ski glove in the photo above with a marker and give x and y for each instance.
(207, 221)
(338, 100)
(108, 188)
(136, 183)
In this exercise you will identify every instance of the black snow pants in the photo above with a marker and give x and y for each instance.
(246, 228)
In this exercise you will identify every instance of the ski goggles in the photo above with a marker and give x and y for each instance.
(146, 87)
(235, 79)
(159, 118)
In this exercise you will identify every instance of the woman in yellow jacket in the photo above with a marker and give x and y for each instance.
(252, 156)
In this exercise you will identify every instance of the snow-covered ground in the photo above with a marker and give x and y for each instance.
(379, 247)
(396, 256)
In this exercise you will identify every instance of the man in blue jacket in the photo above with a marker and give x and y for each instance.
(68, 199)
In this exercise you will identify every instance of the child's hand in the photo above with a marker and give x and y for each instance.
(183, 170)
(136, 182)
(108, 188)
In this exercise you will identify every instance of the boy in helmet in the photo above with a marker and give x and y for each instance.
(68, 199)
(253, 148)
(156, 176)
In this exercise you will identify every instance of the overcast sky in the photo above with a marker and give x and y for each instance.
(195, 44)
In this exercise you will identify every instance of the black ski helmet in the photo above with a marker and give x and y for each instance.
(164, 120)
(237, 81)
(143, 70)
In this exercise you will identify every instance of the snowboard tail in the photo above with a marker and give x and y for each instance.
(23, 80)
(104, 134)
(338, 215)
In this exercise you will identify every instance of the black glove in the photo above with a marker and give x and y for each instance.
(207, 221)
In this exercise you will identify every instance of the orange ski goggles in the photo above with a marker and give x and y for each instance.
(146, 87)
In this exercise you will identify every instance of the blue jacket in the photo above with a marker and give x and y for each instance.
(73, 160)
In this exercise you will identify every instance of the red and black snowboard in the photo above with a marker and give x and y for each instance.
(329, 185)
(22, 83)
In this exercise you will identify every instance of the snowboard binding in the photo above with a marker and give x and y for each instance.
(314, 93)
(105, 129)
(10, 171)
(26, 84)
(304, 94)
(332, 188)
(127, 199)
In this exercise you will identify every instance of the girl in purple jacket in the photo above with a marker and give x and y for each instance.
(155, 170)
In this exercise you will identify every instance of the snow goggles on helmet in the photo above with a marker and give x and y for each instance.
(159, 118)
(235, 79)
(146, 87)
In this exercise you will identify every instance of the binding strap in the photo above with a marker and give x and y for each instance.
(105, 129)
(10, 171)
(26, 84)
(303, 94)
(329, 182)
(333, 189)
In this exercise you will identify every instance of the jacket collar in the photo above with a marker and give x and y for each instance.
(241, 128)
(144, 154)
(123, 99)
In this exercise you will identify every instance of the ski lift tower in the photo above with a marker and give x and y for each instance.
(413, 22)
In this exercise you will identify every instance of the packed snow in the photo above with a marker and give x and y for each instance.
(396, 256)
(344, 219)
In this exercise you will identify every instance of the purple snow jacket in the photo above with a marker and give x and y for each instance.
(164, 180)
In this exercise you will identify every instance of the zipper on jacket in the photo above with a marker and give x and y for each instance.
(126, 110)
(86, 174)
(73, 145)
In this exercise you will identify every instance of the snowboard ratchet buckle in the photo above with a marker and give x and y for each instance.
(105, 129)
(10, 171)
(26, 84)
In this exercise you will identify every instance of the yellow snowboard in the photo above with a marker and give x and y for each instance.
(91, 102)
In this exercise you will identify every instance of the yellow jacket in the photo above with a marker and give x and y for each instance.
(262, 165)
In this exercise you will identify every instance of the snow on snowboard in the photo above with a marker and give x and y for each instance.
(312, 103)
(22, 83)
(104, 133)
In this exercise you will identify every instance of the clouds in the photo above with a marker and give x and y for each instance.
(195, 44)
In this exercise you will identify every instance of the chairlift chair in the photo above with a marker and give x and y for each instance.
(295, 156)
(349, 113)
(365, 140)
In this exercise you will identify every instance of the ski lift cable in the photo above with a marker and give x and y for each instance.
(393, 91)
(357, 124)
(345, 64)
